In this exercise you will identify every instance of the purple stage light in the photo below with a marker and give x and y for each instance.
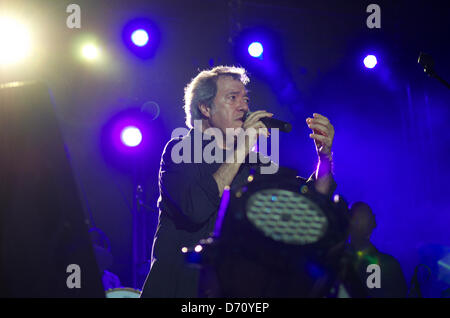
(131, 136)
(370, 61)
(255, 49)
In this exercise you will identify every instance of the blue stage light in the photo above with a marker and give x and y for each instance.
(370, 61)
(255, 49)
(140, 37)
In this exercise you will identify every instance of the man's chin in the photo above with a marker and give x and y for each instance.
(239, 124)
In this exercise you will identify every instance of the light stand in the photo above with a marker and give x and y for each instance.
(139, 228)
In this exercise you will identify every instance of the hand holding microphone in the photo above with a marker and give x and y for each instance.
(261, 121)
(252, 127)
(271, 122)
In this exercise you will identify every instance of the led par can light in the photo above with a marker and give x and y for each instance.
(275, 230)
(280, 212)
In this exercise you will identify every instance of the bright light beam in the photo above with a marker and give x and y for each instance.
(131, 136)
(15, 41)
(139, 37)
(370, 61)
(255, 49)
(90, 52)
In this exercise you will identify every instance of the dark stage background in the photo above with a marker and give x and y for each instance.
(392, 143)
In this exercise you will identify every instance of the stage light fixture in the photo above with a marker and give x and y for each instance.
(140, 37)
(131, 136)
(15, 41)
(90, 51)
(286, 216)
(370, 61)
(289, 213)
(277, 226)
(255, 49)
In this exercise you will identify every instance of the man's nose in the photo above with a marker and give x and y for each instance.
(243, 106)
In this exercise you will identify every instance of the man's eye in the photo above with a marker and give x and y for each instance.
(247, 100)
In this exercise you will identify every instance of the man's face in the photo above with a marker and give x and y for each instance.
(360, 224)
(229, 105)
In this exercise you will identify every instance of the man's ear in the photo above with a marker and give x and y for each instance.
(205, 110)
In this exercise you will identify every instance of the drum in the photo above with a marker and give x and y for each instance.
(123, 293)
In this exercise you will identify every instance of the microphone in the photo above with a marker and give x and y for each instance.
(427, 63)
(271, 122)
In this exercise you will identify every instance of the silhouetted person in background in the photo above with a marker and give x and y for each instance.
(362, 224)
(102, 251)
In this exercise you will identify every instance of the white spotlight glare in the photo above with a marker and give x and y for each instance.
(131, 136)
(255, 49)
(90, 52)
(15, 41)
(139, 37)
(370, 61)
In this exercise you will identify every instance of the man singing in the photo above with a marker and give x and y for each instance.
(190, 192)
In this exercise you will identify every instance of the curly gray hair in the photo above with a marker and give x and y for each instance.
(203, 88)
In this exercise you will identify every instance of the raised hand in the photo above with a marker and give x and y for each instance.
(323, 134)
